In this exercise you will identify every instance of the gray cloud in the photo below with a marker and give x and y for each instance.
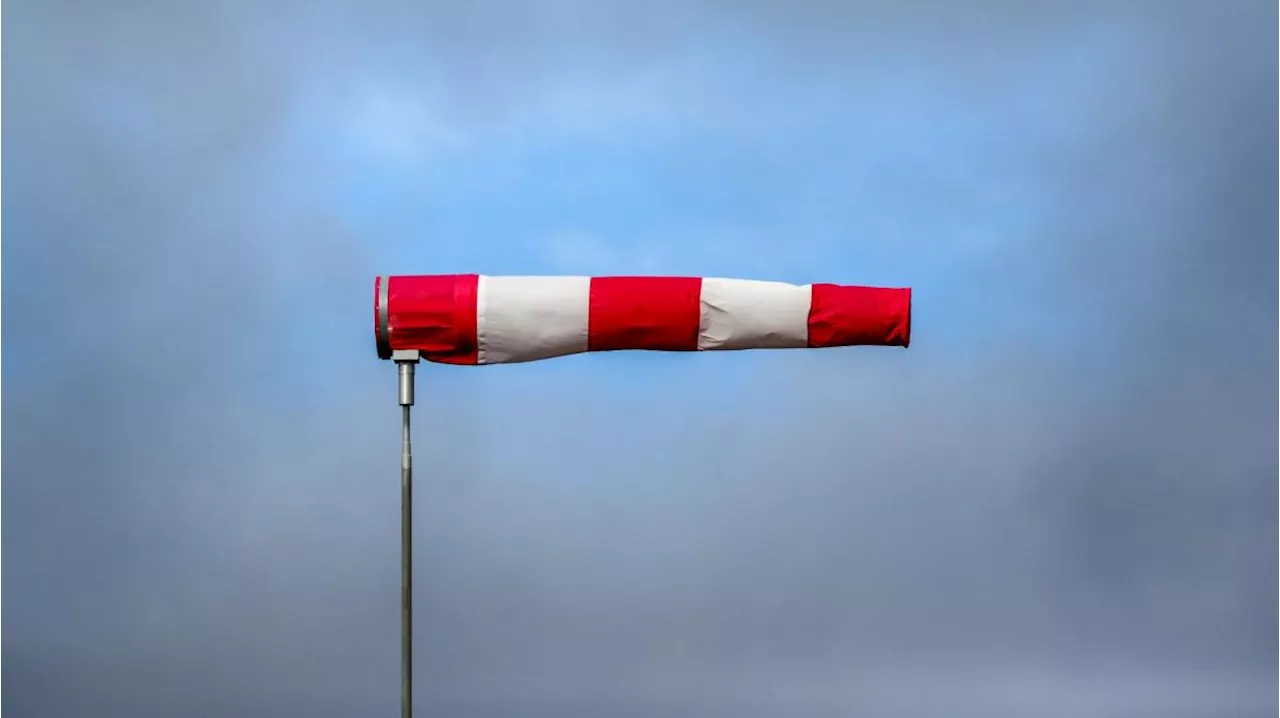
(1057, 527)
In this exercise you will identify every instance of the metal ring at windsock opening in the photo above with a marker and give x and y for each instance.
(476, 319)
(381, 330)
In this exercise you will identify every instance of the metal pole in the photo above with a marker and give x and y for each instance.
(405, 366)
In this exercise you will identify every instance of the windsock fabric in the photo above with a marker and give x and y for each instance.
(478, 319)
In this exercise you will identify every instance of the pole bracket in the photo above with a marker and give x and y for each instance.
(405, 360)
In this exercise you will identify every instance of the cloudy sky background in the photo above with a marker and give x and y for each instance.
(1060, 501)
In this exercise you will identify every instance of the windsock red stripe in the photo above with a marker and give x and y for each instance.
(657, 313)
(848, 316)
(434, 314)
(472, 319)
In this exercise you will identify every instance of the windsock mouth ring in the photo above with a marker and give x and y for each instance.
(381, 329)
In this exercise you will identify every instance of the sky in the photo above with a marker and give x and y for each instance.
(1057, 502)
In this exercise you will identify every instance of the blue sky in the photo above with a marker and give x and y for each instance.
(710, 162)
(1058, 499)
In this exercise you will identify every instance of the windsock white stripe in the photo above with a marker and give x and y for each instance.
(521, 319)
(747, 314)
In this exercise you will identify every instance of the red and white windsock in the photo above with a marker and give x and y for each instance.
(477, 319)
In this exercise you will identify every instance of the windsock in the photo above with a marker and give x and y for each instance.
(478, 319)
